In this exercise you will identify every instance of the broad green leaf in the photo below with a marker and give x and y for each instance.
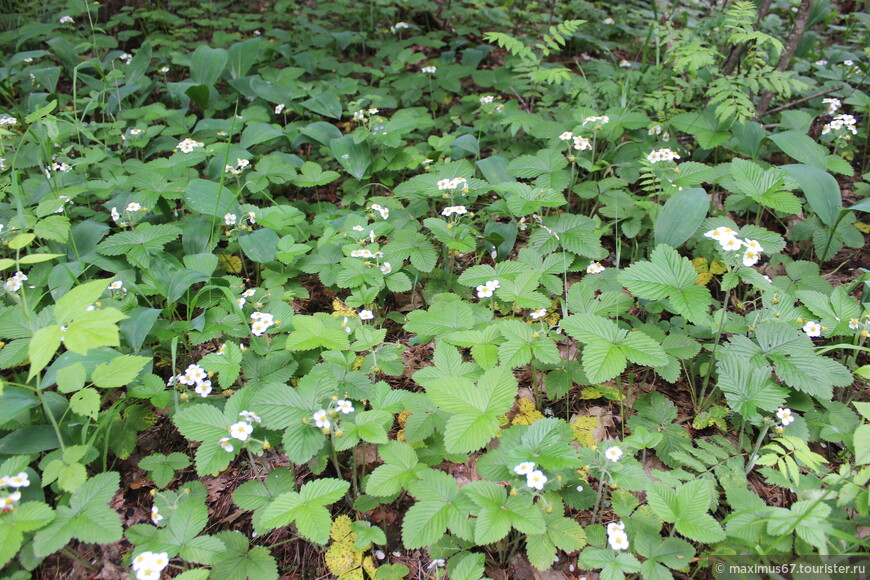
(821, 190)
(87, 518)
(681, 217)
(119, 372)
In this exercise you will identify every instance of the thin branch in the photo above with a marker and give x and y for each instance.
(804, 100)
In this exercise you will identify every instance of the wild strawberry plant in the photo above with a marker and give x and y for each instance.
(427, 291)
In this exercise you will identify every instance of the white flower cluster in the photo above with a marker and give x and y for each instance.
(451, 184)
(486, 99)
(125, 58)
(66, 19)
(594, 268)
(599, 121)
(399, 26)
(156, 518)
(65, 199)
(241, 430)
(280, 108)
(654, 130)
(365, 253)
(11, 499)
(150, 565)
(241, 165)
(322, 417)
(839, 122)
(729, 241)
(13, 284)
(3, 166)
(7, 120)
(429, 69)
(385, 212)
(454, 209)
(361, 114)
(62, 167)
(189, 145)
(616, 536)
(833, 105)
(582, 143)
(663, 154)
(261, 322)
(608, 21)
(535, 478)
(486, 290)
(196, 377)
(624, 63)
(164, 69)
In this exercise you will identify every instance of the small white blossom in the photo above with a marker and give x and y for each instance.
(813, 329)
(155, 515)
(484, 291)
(399, 26)
(321, 419)
(126, 58)
(750, 258)
(366, 315)
(539, 313)
(608, 20)
(66, 19)
(164, 69)
(454, 209)
(250, 417)
(486, 99)
(663, 154)
(280, 108)
(525, 468)
(344, 406)
(230, 219)
(833, 105)
(203, 389)
(613, 453)
(784, 414)
(536, 479)
(8, 120)
(386, 268)
(582, 143)
(226, 444)
(429, 69)
(730, 244)
(18, 481)
(854, 324)
(599, 121)
(618, 540)
(566, 136)
(241, 430)
(594, 268)
(188, 145)
(624, 63)
(385, 213)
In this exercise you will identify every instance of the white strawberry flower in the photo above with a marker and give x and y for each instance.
(536, 479)
(613, 453)
(241, 430)
(813, 329)
(344, 406)
(784, 414)
(594, 268)
(525, 468)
